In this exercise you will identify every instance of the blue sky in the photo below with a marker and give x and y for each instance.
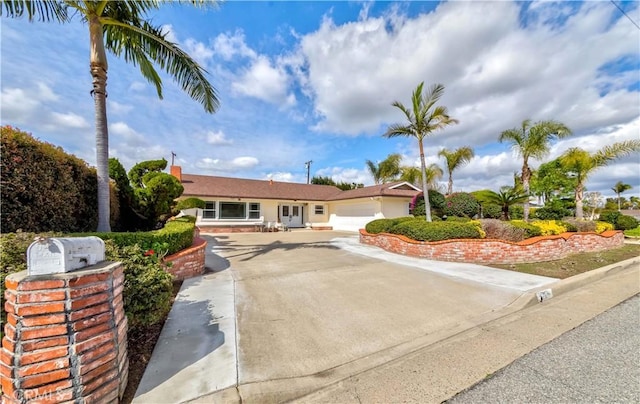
(314, 80)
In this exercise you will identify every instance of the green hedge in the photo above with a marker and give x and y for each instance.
(44, 188)
(176, 235)
(435, 231)
(461, 204)
(385, 225)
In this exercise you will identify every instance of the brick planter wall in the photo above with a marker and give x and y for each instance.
(487, 251)
(65, 337)
(229, 229)
(188, 262)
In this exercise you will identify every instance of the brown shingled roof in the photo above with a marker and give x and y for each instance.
(225, 187)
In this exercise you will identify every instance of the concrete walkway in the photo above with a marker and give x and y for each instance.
(285, 315)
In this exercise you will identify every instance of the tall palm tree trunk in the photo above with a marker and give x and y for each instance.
(425, 189)
(579, 197)
(526, 176)
(98, 66)
(618, 201)
(450, 185)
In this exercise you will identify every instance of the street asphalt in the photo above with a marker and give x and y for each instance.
(313, 316)
(597, 362)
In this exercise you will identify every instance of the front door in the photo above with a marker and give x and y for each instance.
(291, 215)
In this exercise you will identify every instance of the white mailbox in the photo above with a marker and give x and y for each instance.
(58, 254)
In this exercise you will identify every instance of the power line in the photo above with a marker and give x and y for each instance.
(625, 14)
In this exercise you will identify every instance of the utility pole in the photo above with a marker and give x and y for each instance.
(173, 155)
(308, 165)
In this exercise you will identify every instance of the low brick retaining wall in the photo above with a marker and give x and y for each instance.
(491, 251)
(66, 337)
(188, 262)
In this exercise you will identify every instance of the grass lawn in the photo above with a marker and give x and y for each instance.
(577, 263)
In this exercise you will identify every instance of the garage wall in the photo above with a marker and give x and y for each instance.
(395, 207)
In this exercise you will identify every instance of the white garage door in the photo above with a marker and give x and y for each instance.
(352, 217)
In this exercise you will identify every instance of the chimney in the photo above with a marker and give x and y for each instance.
(270, 182)
(176, 171)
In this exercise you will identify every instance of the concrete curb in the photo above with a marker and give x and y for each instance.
(542, 294)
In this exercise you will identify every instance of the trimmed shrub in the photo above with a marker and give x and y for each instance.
(549, 227)
(147, 287)
(530, 230)
(461, 204)
(498, 229)
(176, 235)
(555, 212)
(385, 225)
(626, 222)
(421, 230)
(610, 216)
(436, 200)
(189, 203)
(603, 226)
(44, 188)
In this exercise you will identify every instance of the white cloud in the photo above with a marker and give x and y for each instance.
(226, 166)
(283, 177)
(218, 138)
(118, 108)
(266, 82)
(198, 51)
(348, 175)
(496, 71)
(69, 120)
(228, 46)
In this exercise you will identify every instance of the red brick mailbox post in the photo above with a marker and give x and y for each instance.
(66, 336)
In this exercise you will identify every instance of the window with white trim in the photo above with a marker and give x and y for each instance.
(254, 210)
(233, 210)
(209, 211)
(318, 209)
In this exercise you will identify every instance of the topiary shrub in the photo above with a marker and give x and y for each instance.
(501, 230)
(189, 203)
(421, 230)
(626, 222)
(148, 288)
(530, 230)
(461, 204)
(549, 227)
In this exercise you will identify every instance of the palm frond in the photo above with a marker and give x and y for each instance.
(137, 42)
(43, 10)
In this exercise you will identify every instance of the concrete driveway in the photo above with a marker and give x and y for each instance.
(283, 314)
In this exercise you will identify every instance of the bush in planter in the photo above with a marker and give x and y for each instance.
(501, 230)
(436, 201)
(549, 227)
(579, 225)
(516, 212)
(461, 204)
(530, 230)
(603, 226)
(421, 230)
(385, 225)
(625, 222)
(148, 288)
(491, 211)
(610, 216)
(189, 203)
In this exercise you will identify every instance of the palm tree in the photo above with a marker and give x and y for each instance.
(387, 170)
(505, 198)
(121, 27)
(424, 118)
(413, 175)
(533, 141)
(455, 159)
(619, 188)
(581, 163)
